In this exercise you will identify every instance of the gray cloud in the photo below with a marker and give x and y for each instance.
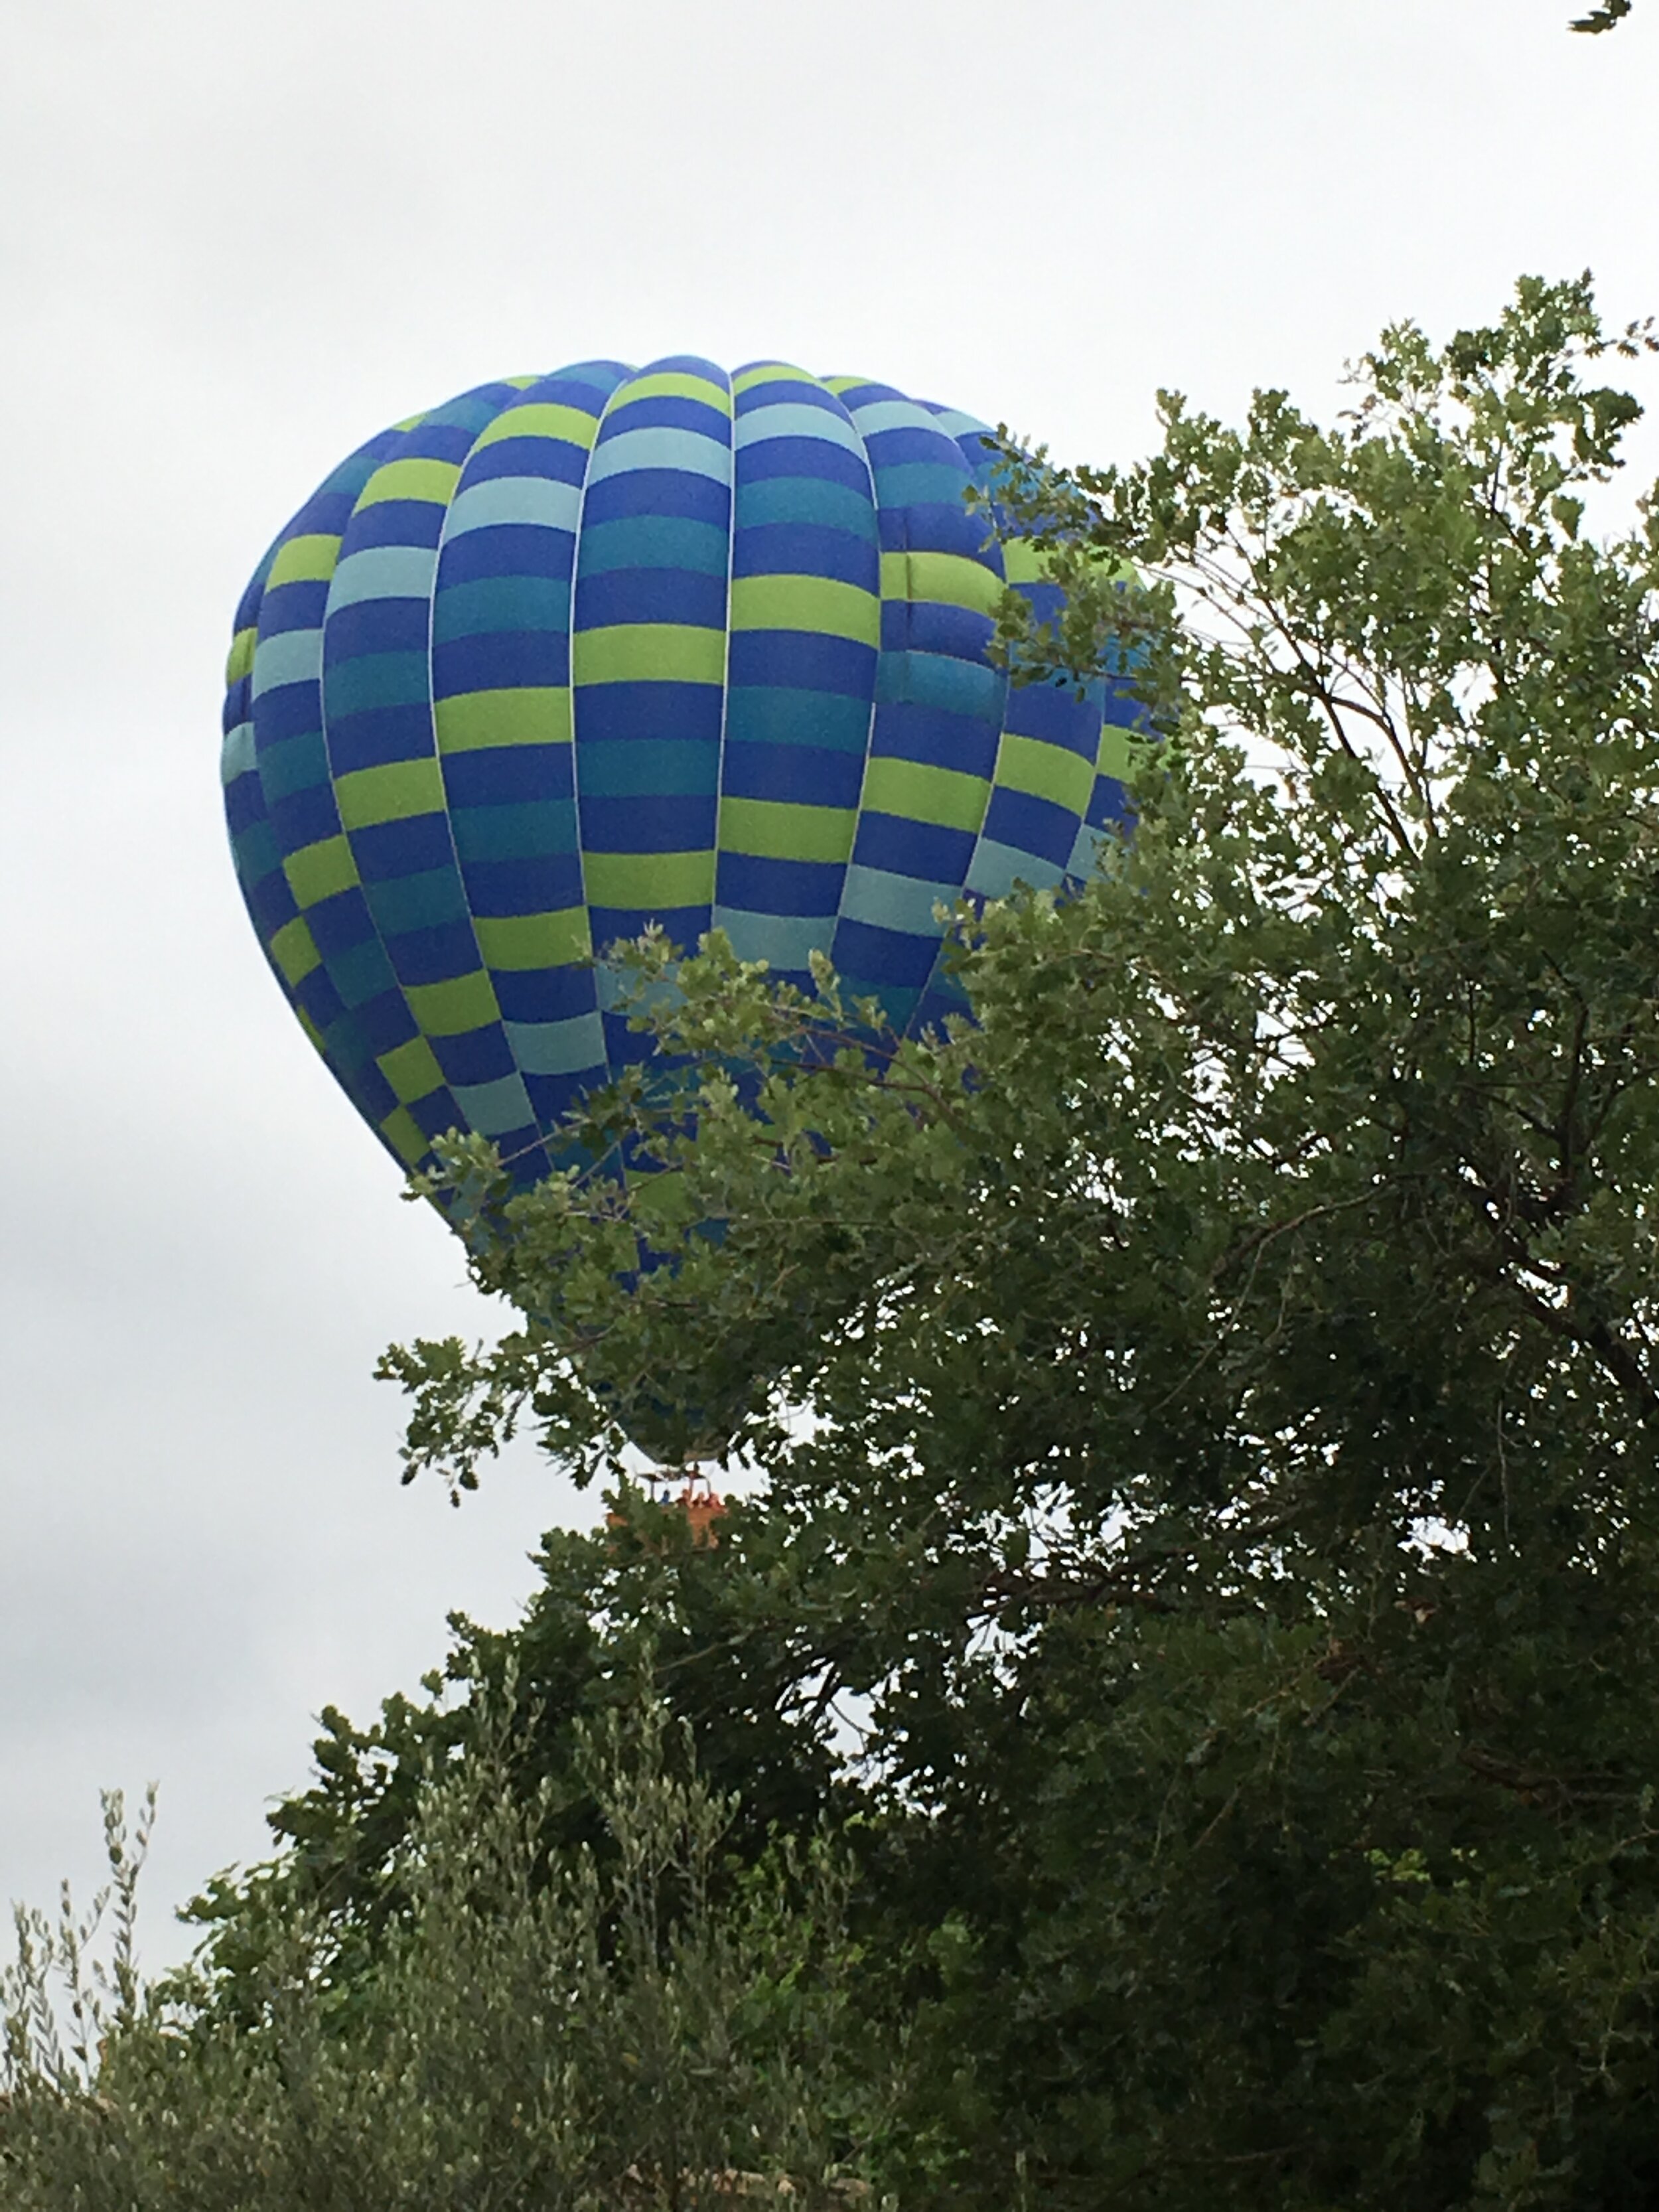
(235, 240)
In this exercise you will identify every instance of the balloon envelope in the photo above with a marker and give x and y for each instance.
(574, 653)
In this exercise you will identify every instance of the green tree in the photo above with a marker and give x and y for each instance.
(1207, 1570)
(577, 2033)
(1606, 17)
(1208, 1408)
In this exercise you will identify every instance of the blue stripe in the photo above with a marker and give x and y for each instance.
(544, 995)
(658, 595)
(808, 459)
(508, 774)
(676, 823)
(1037, 826)
(508, 549)
(799, 774)
(802, 659)
(897, 846)
(691, 712)
(657, 491)
(481, 1055)
(666, 410)
(784, 887)
(802, 549)
(434, 953)
(546, 883)
(499, 661)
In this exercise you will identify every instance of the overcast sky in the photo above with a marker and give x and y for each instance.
(236, 240)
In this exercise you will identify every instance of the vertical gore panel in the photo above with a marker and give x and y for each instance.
(939, 703)
(501, 699)
(648, 657)
(347, 996)
(805, 623)
(382, 751)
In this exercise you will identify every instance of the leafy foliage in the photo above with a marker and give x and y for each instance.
(1208, 1407)
(1604, 17)
(588, 2032)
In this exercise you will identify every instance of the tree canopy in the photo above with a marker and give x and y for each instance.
(1604, 17)
(1208, 1406)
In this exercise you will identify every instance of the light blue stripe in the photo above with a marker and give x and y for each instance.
(236, 755)
(1085, 854)
(893, 415)
(515, 499)
(495, 1109)
(783, 419)
(382, 572)
(620, 992)
(885, 900)
(960, 425)
(995, 868)
(565, 1047)
(662, 448)
(291, 657)
(783, 940)
(935, 679)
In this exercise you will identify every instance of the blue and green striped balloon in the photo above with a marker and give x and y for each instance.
(577, 652)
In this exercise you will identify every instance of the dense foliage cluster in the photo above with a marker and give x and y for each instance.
(588, 2032)
(1203, 1590)
(1604, 17)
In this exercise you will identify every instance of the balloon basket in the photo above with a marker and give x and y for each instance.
(693, 1494)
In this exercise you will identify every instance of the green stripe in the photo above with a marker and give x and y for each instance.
(318, 871)
(240, 661)
(946, 580)
(294, 951)
(412, 1070)
(309, 559)
(541, 418)
(1045, 771)
(392, 792)
(1117, 753)
(1023, 563)
(534, 940)
(411, 479)
(673, 384)
(818, 604)
(528, 715)
(451, 1008)
(650, 652)
(404, 1135)
(771, 372)
(781, 829)
(915, 793)
(651, 882)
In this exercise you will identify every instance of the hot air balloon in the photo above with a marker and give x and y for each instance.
(574, 653)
